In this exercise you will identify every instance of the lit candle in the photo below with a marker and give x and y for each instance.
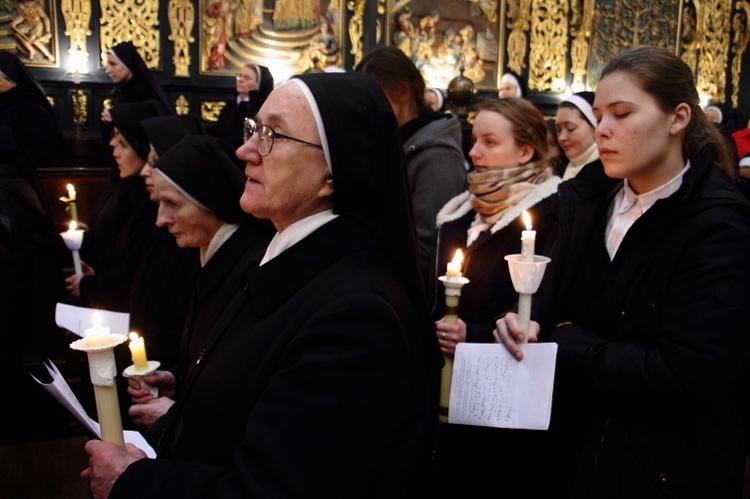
(528, 238)
(73, 238)
(454, 266)
(138, 352)
(97, 335)
(98, 345)
(453, 281)
(70, 202)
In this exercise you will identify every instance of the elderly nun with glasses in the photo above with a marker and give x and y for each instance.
(320, 377)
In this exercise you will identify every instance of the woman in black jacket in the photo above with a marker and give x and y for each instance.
(646, 297)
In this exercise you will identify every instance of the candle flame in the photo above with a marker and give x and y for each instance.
(133, 336)
(71, 189)
(458, 257)
(526, 219)
(97, 318)
(72, 225)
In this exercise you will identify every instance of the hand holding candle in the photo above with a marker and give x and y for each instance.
(453, 281)
(526, 271)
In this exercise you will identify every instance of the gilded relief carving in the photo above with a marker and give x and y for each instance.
(210, 110)
(136, 21)
(356, 28)
(741, 29)
(181, 14)
(444, 43)
(287, 36)
(80, 108)
(182, 106)
(29, 29)
(712, 56)
(518, 20)
(549, 29)
(582, 13)
(628, 23)
(77, 15)
(691, 36)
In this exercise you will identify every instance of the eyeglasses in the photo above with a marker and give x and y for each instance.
(244, 78)
(266, 136)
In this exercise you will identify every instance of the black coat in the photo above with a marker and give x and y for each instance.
(115, 242)
(474, 461)
(215, 285)
(314, 384)
(658, 340)
(160, 295)
(34, 124)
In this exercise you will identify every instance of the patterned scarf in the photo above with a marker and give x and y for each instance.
(493, 192)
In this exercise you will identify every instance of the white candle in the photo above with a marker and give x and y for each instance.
(454, 266)
(138, 352)
(97, 335)
(73, 238)
(528, 238)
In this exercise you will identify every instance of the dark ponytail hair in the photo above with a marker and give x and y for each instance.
(670, 82)
(393, 70)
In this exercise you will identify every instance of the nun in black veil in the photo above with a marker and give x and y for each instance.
(254, 83)
(320, 378)
(133, 80)
(25, 109)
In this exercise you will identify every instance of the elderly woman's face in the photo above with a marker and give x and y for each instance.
(292, 182)
(191, 225)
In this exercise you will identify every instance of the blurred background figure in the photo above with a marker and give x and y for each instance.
(714, 114)
(511, 85)
(133, 80)
(25, 109)
(434, 99)
(575, 124)
(431, 144)
(254, 83)
(28, 268)
(557, 159)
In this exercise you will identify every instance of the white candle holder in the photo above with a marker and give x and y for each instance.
(102, 369)
(73, 241)
(453, 285)
(131, 372)
(526, 277)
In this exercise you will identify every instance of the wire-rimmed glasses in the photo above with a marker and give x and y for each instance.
(266, 136)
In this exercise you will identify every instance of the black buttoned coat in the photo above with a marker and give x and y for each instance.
(314, 384)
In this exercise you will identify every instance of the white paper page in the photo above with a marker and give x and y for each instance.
(78, 319)
(60, 389)
(491, 388)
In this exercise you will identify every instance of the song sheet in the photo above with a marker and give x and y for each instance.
(491, 388)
